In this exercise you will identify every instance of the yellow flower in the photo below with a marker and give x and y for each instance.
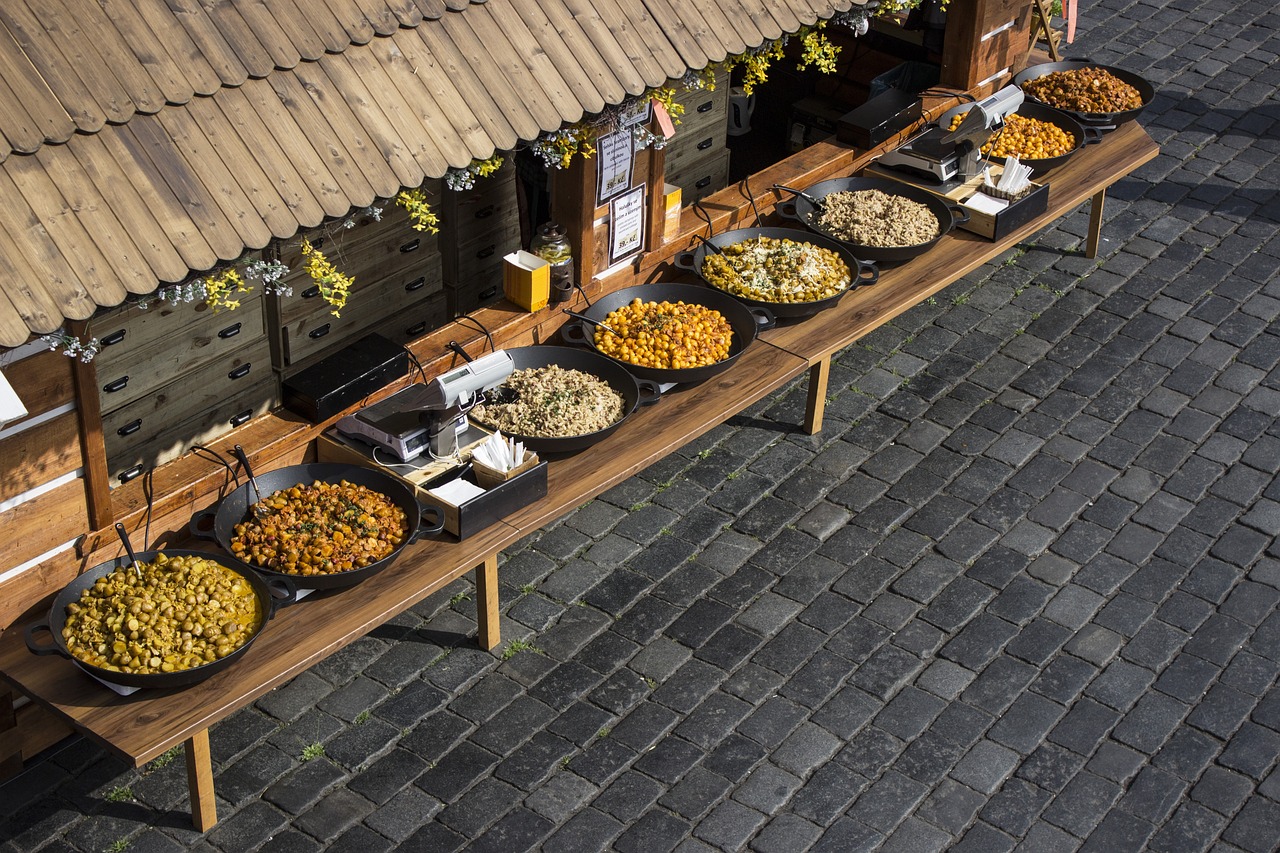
(335, 286)
(420, 214)
(218, 289)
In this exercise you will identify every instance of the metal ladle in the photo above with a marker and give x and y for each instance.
(591, 320)
(128, 548)
(256, 507)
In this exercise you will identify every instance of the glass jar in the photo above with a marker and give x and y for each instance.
(552, 245)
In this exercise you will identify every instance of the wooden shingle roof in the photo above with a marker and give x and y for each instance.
(143, 139)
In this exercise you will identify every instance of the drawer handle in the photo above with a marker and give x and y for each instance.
(416, 329)
(311, 292)
(486, 251)
(118, 385)
(242, 418)
(113, 338)
(707, 107)
(703, 184)
(240, 372)
(230, 331)
(318, 333)
(485, 212)
(417, 284)
(130, 428)
(706, 143)
(129, 473)
(411, 246)
(490, 293)
(318, 243)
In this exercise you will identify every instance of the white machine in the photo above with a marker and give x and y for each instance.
(943, 154)
(429, 417)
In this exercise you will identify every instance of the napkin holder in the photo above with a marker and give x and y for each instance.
(489, 478)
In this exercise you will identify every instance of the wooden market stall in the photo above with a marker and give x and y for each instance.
(142, 147)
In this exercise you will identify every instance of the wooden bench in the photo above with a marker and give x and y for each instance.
(142, 726)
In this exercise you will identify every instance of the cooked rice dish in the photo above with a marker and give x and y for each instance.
(879, 219)
(552, 402)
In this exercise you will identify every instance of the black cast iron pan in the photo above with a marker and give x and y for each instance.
(744, 321)
(1103, 121)
(237, 506)
(273, 594)
(633, 392)
(804, 210)
(861, 272)
(1083, 135)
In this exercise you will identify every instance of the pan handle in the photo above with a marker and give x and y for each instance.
(959, 214)
(573, 333)
(1091, 135)
(283, 593)
(788, 210)
(201, 524)
(650, 392)
(868, 274)
(684, 261)
(38, 648)
(764, 318)
(432, 528)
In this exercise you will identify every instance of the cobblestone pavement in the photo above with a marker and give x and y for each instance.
(1019, 594)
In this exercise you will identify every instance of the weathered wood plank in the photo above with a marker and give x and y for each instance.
(547, 38)
(270, 32)
(597, 50)
(149, 50)
(688, 33)
(239, 36)
(48, 520)
(315, 16)
(42, 381)
(173, 37)
(108, 54)
(208, 41)
(491, 71)
(352, 20)
(496, 22)
(33, 457)
(47, 90)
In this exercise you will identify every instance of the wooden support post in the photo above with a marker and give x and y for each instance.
(204, 807)
(819, 373)
(97, 485)
(1095, 224)
(490, 633)
(10, 743)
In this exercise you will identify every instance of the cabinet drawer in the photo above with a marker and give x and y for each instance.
(130, 455)
(481, 256)
(319, 330)
(416, 320)
(368, 261)
(475, 293)
(334, 239)
(704, 111)
(686, 150)
(417, 271)
(141, 370)
(190, 394)
(466, 214)
(123, 332)
(700, 178)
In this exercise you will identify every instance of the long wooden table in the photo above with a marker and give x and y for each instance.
(142, 726)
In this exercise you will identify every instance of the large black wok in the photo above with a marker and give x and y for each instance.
(801, 208)
(1104, 121)
(860, 272)
(743, 320)
(236, 507)
(1034, 109)
(267, 602)
(634, 393)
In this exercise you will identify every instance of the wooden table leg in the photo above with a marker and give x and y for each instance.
(1095, 224)
(490, 634)
(817, 403)
(204, 808)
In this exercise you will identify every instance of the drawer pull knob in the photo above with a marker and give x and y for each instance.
(242, 418)
(129, 473)
(131, 427)
(489, 293)
(703, 184)
(240, 372)
(230, 331)
(485, 212)
(706, 143)
(706, 108)
(118, 385)
(417, 284)
(318, 333)
(486, 251)
(113, 338)
(318, 243)
(411, 246)
(416, 329)
(311, 292)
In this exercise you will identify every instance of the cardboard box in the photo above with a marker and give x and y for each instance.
(495, 503)
(672, 206)
(526, 280)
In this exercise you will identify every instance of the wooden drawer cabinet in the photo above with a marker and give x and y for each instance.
(700, 178)
(123, 332)
(481, 256)
(132, 372)
(478, 227)
(157, 439)
(336, 240)
(702, 145)
(415, 320)
(412, 263)
(317, 331)
(489, 206)
(705, 110)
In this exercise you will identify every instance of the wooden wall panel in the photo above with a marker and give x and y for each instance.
(43, 523)
(33, 457)
(43, 382)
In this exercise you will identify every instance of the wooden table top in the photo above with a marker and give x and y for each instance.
(1085, 173)
(144, 725)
